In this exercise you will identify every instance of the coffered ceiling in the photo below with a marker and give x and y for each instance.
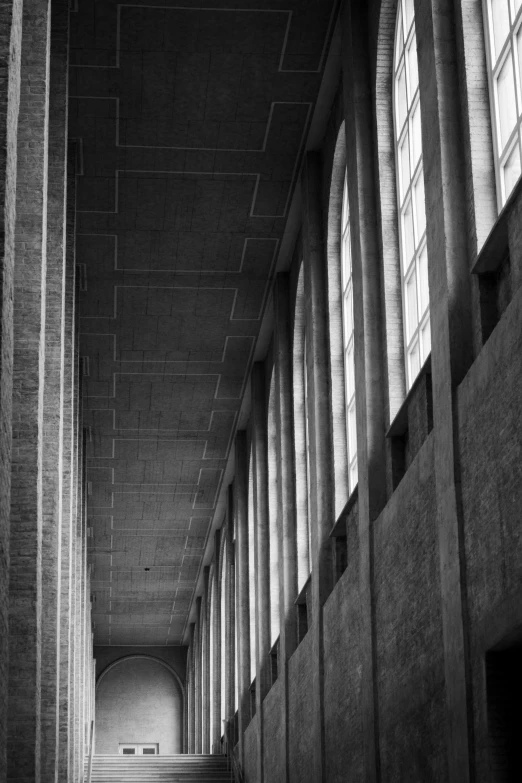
(192, 122)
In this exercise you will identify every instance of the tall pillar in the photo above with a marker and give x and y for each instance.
(452, 347)
(369, 367)
(10, 55)
(243, 623)
(230, 610)
(197, 679)
(286, 480)
(190, 692)
(321, 470)
(205, 662)
(68, 466)
(25, 600)
(262, 546)
(215, 619)
(52, 470)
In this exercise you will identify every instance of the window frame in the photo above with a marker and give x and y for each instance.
(414, 330)
(494, 68)
(348, 340)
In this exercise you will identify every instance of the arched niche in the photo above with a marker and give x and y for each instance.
(139, 700)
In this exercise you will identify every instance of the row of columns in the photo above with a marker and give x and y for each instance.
(380, 382)
(46, 671)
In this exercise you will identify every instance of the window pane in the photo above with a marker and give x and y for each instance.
(405, 165)
(346, 265)
(506, 101)
(500, 19)
(407, 235)
(350, 372)
(518, 3)
(426, 339)
(416, 134)
(411, 305)
(402, 103)
(511, 170)
(413, 72)
(353, 475)
(408, 14)
(348, 314)
(399, 40)
(352, 433)
(424, 291)
(420, 206)
(414, 361)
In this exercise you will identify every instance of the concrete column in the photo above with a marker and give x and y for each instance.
(286, 480)
(369, 349)
(321, 469)
(190, 692)
(243, 623)
(52, 471)
(452, 352)
(197, 679)
(10, 55)
(68, 464)
(24, 731)
(230, 656)
(215, 652)
(262, 550)
(205, 663)
(288, 558)
(260, 454)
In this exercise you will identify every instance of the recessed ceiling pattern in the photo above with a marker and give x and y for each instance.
(192, 122)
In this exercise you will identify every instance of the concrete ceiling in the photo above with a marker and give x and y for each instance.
(192, 122)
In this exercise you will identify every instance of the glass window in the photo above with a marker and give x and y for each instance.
(307, 450)
(348, 340)
(410, 194)
(504, 36)
(252, 569)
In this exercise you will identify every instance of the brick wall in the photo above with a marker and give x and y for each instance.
(10, 49)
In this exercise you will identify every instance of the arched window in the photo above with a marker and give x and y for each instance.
(273, 507)
(223, 643)
(410, 194)
(307, 404)
(251, 569)
(348, 340)
(504, 37)
(211, 657)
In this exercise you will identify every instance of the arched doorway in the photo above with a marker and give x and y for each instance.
(139, 703)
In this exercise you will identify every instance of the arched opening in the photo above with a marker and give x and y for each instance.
(139, 703)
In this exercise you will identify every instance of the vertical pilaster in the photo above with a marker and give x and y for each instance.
(215, 652)
(262, 551)
(230, 612)
(52, 470)
(190, 693)
(10, 55)
(288, 549)
(25, 602)
(451, 353)
(243, 623)
(321, 451)
(197, 671)
(205, 661)
(369, 368)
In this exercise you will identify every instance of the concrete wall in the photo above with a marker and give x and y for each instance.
(138, 700)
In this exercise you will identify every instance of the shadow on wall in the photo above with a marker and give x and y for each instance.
(138, 701)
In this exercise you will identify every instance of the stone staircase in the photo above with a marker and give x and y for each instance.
(184, 768)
